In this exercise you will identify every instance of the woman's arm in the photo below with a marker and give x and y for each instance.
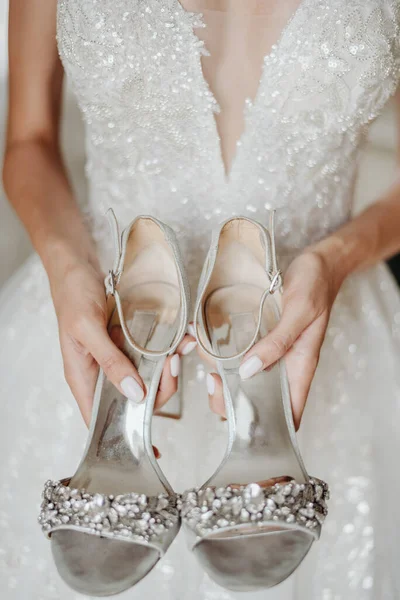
(311, 285)
(34, 174)
(36, 184)
(372, 236)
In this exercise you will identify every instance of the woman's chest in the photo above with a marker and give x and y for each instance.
(141, 55)
(136, 66)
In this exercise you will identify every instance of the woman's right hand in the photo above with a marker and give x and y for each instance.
(80, 304)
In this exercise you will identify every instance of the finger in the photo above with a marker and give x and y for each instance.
(275, 345)
(156, 451)
(117, 336)
(205, 357)
(216, 394)
(301, 362)
(171, 370)
(187, 345)
(169, 381)
(81, 372)
(116, 366)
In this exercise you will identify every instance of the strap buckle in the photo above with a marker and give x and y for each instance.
(276, 281)
(110, 282)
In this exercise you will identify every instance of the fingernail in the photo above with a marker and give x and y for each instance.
(191, 330)
(189, 347)
(132, 389)
(250, 367)
(210, 381)
(175, 365)
(157, 453)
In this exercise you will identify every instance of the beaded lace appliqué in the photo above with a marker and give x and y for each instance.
(152, 144)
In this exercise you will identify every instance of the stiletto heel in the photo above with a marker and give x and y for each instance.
(253, 522)
(116, 517)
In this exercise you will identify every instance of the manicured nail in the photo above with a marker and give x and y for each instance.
(157, 453)
(175, 365)
(132, 389)
(189, 347)
(191, 330)
(210, 381)
(250, 367)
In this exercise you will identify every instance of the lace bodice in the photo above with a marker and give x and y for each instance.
(152, 141)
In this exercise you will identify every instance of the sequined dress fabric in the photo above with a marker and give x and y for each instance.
(153, 147)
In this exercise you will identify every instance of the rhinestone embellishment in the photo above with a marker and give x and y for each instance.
(299, 504)
(134, 516)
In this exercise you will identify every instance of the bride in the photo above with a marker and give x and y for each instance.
(197, 110)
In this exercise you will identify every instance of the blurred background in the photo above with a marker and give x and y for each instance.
(378, 167)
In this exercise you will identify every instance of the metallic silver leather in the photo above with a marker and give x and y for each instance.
(119, 506)
(260, 505)
(96, 566)
(253, 562)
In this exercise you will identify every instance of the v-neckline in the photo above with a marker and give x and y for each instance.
(249, 105)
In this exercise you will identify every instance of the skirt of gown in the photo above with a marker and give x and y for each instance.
(349, 437)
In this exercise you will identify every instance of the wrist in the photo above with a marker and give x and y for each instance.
(60, 257)
(336, 259)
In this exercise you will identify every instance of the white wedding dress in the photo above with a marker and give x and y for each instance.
(157, 144)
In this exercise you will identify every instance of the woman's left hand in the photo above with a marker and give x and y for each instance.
(310, 288)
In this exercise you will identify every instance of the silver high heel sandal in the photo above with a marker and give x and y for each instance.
(116, 517)
(253, 522)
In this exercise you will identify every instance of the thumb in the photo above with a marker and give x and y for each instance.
(116, 366)
(276, 343)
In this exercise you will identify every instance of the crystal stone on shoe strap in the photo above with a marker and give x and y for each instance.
(129, 516)
(295, 504)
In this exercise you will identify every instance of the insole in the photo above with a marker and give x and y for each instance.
(262, 449)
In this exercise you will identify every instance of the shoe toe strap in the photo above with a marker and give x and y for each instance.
(132, 517)
(289, 505)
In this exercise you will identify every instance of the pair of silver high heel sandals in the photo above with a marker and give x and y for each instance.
(253, 522)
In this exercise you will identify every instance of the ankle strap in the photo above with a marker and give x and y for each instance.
(112, 280)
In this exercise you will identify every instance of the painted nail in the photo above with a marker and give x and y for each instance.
(157, 453)
(191, 330)
(175, 365)
(132, 389)
(189, 347)
(210, 381)
(250, 367)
